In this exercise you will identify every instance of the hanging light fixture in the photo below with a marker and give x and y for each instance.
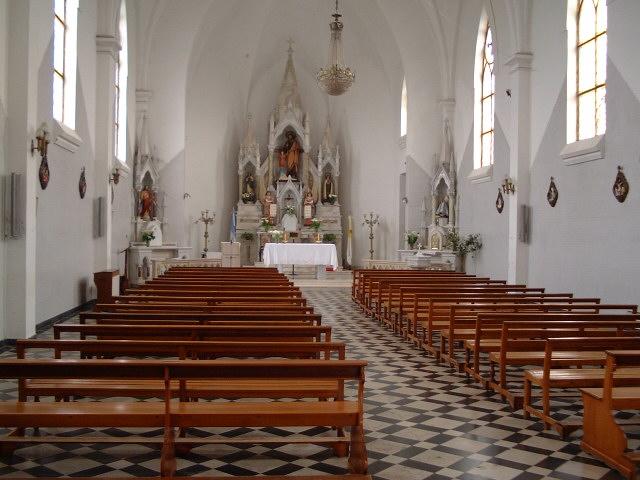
(335, 78)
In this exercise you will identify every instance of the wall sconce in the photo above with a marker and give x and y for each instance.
(42, 140)
(508, 186)
(115, 176)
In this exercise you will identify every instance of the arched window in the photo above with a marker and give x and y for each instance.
(122, 72)
(590, 75)
(485, 89)
(65, 59)
(403, 109)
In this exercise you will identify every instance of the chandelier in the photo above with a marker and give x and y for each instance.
(335, 78)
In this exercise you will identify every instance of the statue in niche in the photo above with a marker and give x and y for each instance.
(147, 202)
(327, 187)
(289, 157)
(308, 207)
(269, 207)
(443, 208)
(249, 188)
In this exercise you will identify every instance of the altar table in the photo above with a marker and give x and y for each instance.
(319, 254)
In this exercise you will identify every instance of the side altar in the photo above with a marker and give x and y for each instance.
(293, 183)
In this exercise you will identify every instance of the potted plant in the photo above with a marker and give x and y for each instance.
(147, 237)
(328, 238)
(332, 198)
(266, 224)
(412, 238)
(316, 224)
(462, 246)
(276, 235)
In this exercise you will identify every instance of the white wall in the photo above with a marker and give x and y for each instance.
(4, 45)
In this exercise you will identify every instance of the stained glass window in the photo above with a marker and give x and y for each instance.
(487, 100)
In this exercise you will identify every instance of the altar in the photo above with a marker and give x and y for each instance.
(319, 254)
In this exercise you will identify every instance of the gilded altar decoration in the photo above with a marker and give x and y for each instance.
(552, 193)
(82, 184)
(620, 186)
(500, 202)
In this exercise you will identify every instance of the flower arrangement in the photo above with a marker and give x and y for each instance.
(248, 236)
(332, 198)
(412, 237)
(289, 210)
(147, 237)
(463, 246)
(276, 235)
(266, 224)
(329, 238)
(315, 224)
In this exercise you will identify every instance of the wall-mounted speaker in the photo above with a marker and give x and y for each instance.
(98, 216)
(13, 211)
(525, 224)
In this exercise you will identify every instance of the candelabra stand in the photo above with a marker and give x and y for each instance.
(206, 219)
(371, 220)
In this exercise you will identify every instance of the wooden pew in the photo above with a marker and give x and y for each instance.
(169, 415)
(209, 299)
(183, 292)
(561, 354)
(200, 317)
(603, 436)
(460, 324)
(178, 307)
(208, 388)
(250, 333)
(487, 337)
(522, 343)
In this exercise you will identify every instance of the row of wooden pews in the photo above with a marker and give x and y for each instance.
(194, 349)
(528, 345)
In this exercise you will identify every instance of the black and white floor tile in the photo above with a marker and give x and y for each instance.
(422, 421)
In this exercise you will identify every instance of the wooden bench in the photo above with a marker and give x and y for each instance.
(169, 414)
(181, 307)
(522, 343)
(603, 436)
(247, 333)
(556, 373)
(201, 317)
(104, 388)
(209, 299)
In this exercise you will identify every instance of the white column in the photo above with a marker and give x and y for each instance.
(25, 54)
(519, 162)
(107, 47)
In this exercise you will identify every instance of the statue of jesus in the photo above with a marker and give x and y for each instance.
(291, 152)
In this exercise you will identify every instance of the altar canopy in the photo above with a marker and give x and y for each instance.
(300, 254)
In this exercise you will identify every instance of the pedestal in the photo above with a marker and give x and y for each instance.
(107, 285)
(141, 258)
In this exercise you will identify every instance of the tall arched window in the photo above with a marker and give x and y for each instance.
(591, 68)
(65, 59)
(485, 89)
(122, 72)
(403, 109)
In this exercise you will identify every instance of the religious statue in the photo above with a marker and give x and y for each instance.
(309, 203)
(327, 187)
(249, 188)
(269, 207)
(147, 199)
(289, 157)
(443, 208)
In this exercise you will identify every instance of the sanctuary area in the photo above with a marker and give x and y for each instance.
(319, 239)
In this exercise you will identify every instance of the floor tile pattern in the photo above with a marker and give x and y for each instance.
(422, 421)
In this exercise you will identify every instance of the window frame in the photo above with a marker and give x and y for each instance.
(120, 112)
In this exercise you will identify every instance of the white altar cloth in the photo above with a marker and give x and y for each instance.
(300, 254)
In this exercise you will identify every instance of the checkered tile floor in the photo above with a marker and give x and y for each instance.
(422, 421)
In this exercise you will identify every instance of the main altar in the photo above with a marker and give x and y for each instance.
(293, 183)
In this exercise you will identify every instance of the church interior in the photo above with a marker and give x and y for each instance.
(319, 239)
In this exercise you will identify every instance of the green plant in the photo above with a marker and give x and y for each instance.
(328, 238)
(463, 246)
(315, 224)
(147, 237)
(248, 236)
(412, 237)
(289, 210)
(266, 224)
(277, 235)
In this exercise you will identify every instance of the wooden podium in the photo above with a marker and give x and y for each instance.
(107, 285)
